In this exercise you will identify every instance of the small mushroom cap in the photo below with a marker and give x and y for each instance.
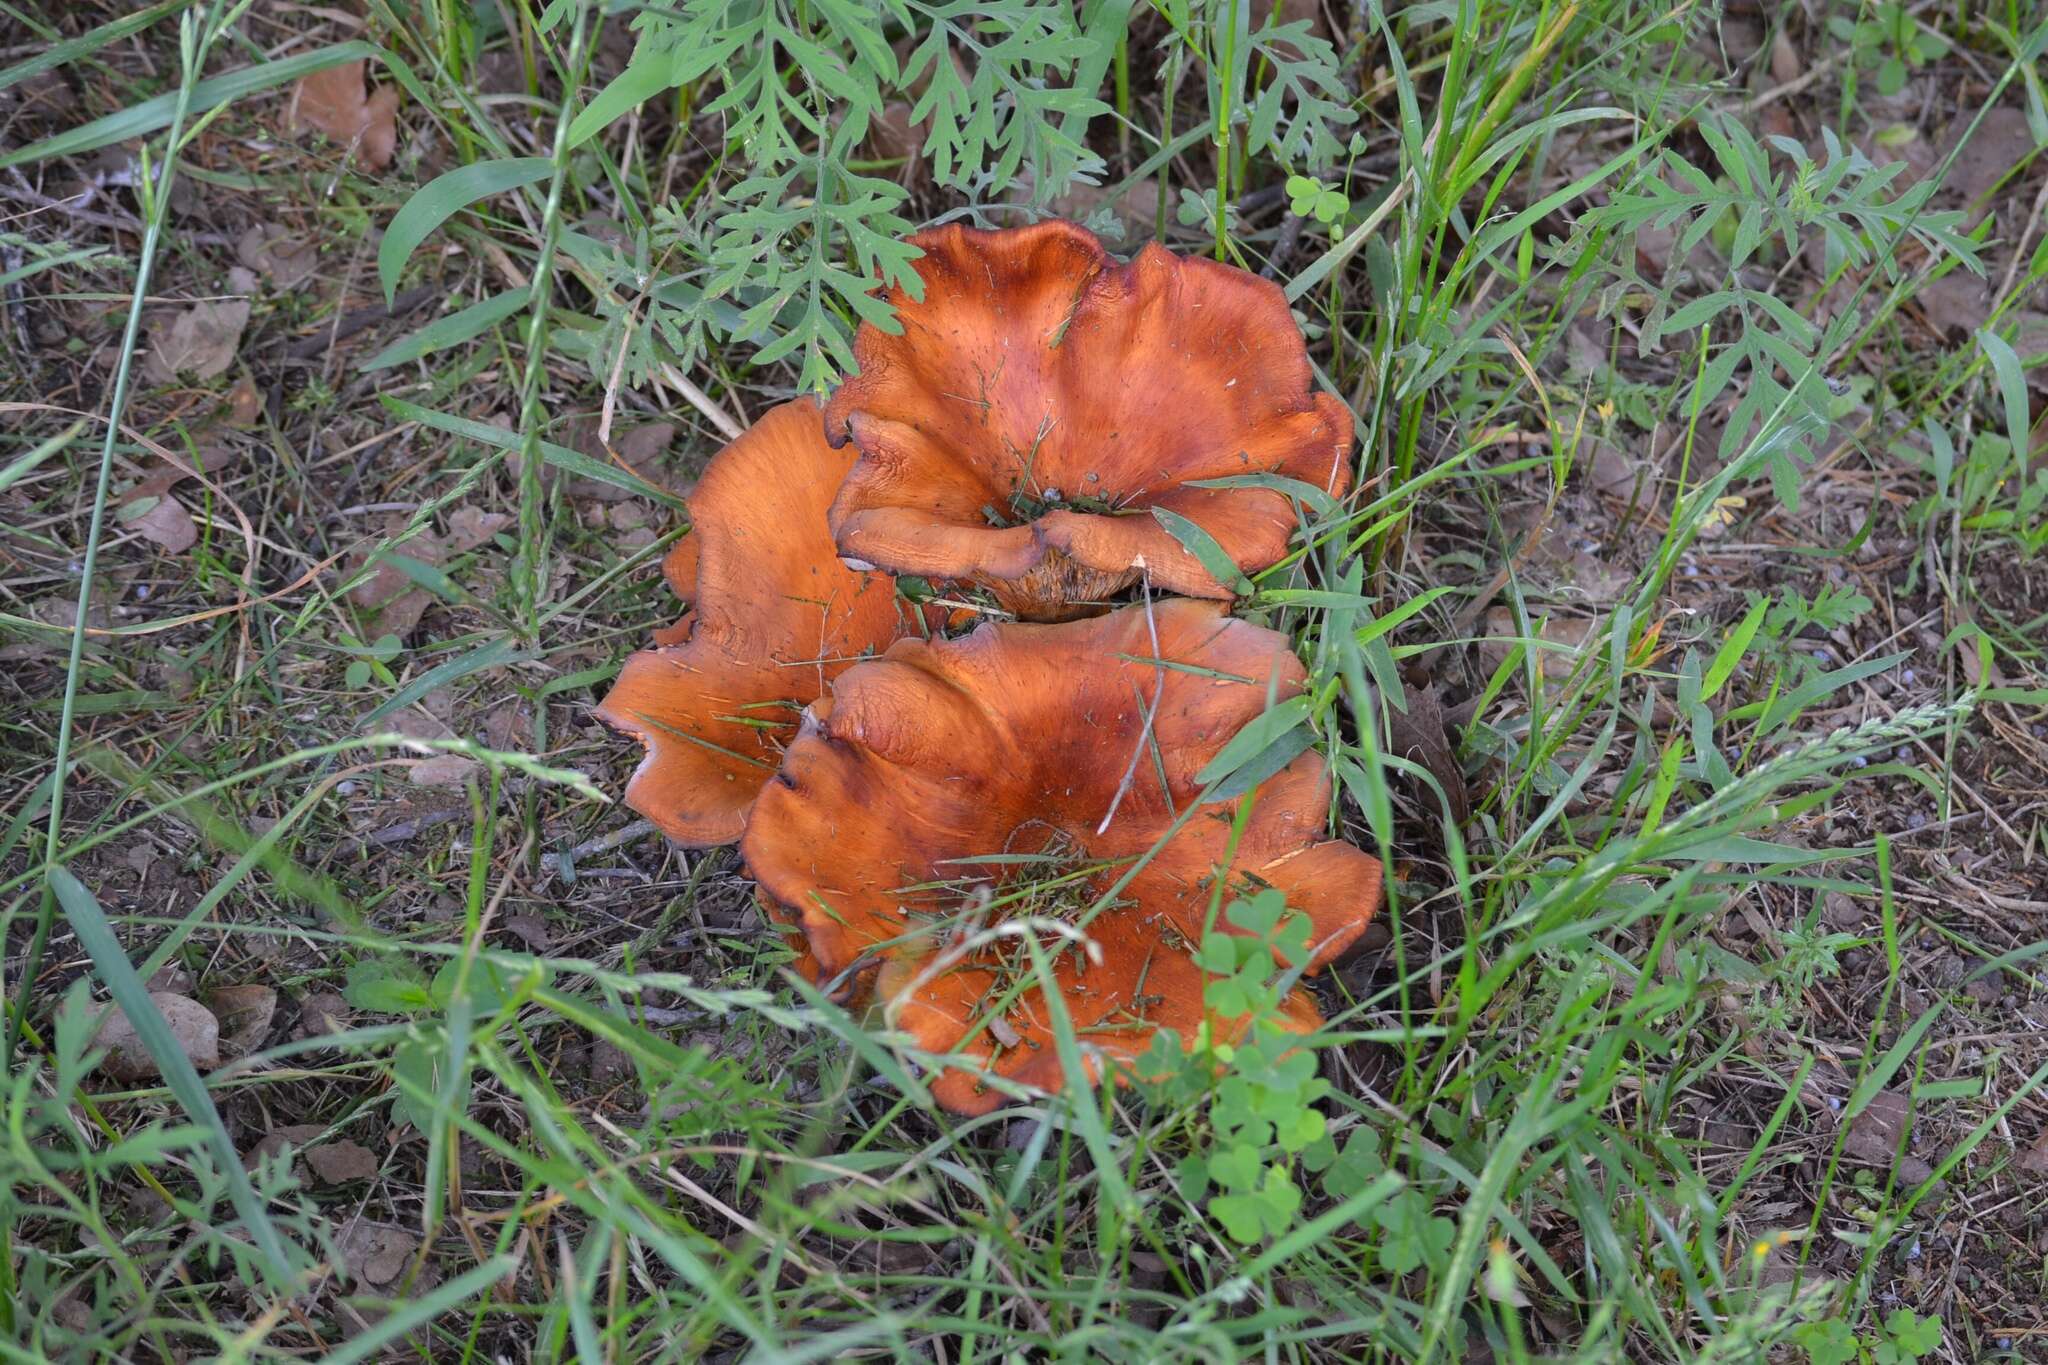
(1041, 400)
(775, 615)
(929, 773)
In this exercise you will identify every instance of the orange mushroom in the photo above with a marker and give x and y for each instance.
(774, 617)
(918, 791)
(1042, 402)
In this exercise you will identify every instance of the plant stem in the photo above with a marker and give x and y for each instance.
(195, 41)
(1224, 109)
(529, 571)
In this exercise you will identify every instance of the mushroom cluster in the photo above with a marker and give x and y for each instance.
(917, 811)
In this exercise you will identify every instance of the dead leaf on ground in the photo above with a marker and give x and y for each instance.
(200, 341)
(2034, 1161)
(174, 977)
(272, 251)
(375, 1254)
(338, 103)
(1785, 63)
(293, 1135)
(322, 1014)
(1874, 1134)
(336, 1163)
(415, 722)
(2000, 143)
(530, 929)
(1612, 470)
(1959, 302)
(1419, 734)
(149, 509)
(245, 1013)
(1557, 559)
(469, 527)
(507, 726)
(394, 601)
(1560, 640)
(443, 770)
(1133, 213)
(640, 449)
(193, 1026)
(245, 405)
(892, 136)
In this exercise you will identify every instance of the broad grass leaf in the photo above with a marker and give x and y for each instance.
(96, 936)
(153, 115)
(440, 199)
(2012, 385)
(464, 325)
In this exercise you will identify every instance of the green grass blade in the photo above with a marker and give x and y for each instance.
(2012, 386)
(571, 461)
(423, 1310)
(96, 936)
(440, 199)
(87, 43)
(500, 651)
(20, 469)
(453, 330)
(140, 120)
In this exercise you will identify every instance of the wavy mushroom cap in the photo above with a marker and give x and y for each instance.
(1042, 400)
(774, 617)
(936, 775)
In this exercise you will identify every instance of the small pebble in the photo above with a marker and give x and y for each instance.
(1908, 677)
(1917, 820)
(346, 788)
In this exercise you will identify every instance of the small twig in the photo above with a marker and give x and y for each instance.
(551, 863)
(407, 829)
(728, 426)
(1284, 246)
(1158, 690)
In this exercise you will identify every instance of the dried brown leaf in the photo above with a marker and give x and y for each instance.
(273, 252)
(1786, 65)
(389, 594)
(443, 770)
(322, 1014)
(245, 1013)
(199, 341)
(1874, 1134)
(1561, 639)
(2034, 1161)
(337, 102)
(293, 1135)
(159, 518)
(531, 930)
(193, 1026)
(375, 1254)
(469, 527)
(335, 1163)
